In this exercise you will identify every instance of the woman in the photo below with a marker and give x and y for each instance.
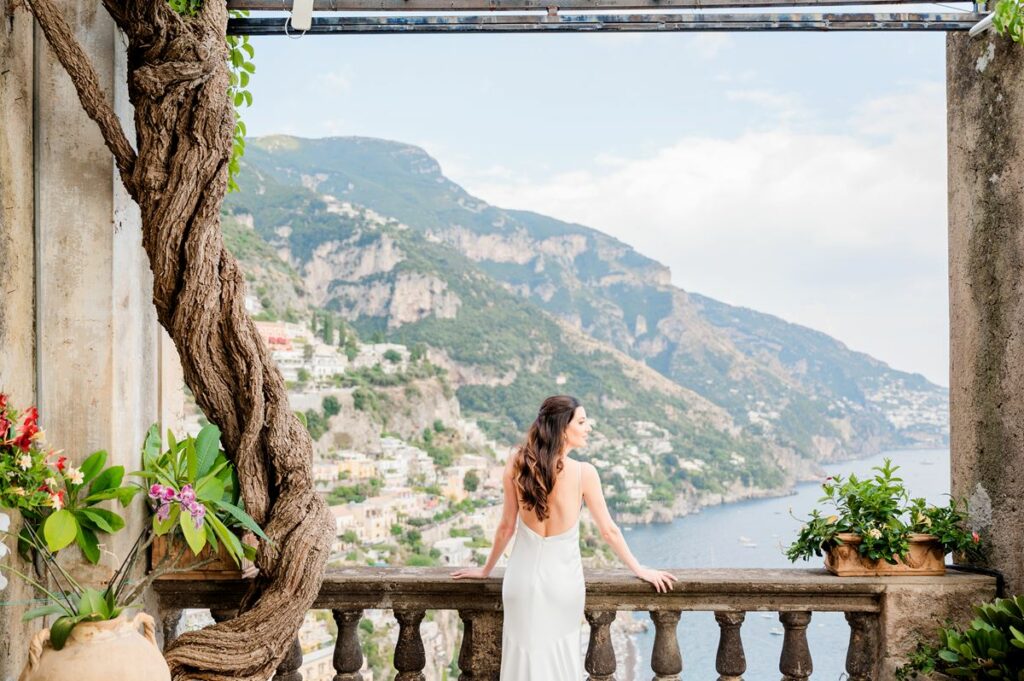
(543, 592)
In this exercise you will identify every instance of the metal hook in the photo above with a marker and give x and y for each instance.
(287, 23)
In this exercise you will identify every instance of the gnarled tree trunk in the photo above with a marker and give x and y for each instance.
(178, 83)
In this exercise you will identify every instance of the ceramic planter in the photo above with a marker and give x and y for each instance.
(925, 558)
(112, 650)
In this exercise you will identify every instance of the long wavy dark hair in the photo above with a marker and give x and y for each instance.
(538, 459)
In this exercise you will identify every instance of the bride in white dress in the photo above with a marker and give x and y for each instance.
(543, 590)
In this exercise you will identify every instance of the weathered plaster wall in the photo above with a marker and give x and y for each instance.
(17, 277)
(78, 333)
(985, 93)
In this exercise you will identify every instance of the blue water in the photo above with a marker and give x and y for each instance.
(710, 539)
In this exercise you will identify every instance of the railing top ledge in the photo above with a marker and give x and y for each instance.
(696, 589)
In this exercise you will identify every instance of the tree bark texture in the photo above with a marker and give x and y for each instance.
(178, 82)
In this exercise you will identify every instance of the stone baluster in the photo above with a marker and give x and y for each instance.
(410, 659)
(169, 624)
(730, 663)
(348, 656)
(288, 667)
(480, 654)
(863, 653)
(795, 663)
(666, 659)
(600, 661)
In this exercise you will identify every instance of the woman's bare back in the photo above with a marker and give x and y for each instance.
(564, 502)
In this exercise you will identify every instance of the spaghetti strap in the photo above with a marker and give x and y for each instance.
(579, 469)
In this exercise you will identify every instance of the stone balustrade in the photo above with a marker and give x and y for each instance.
(885, 615)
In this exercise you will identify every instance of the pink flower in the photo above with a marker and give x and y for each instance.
(57, 500)
(163, 512)
(198, 511)
(975, 537)
(162, 493)
(187, 496)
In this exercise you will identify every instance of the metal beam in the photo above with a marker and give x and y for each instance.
(355, 25)
(588, 6)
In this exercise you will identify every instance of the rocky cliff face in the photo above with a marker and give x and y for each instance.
(517, 305)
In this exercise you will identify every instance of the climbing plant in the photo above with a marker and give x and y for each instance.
(187, 81)
(1008, 19)
(241, 68)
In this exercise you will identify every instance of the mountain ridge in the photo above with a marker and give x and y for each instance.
(378, 234)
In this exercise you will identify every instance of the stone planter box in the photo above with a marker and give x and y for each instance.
(220, 565)
(926, 558)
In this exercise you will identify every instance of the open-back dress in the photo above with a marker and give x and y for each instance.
(542, 595)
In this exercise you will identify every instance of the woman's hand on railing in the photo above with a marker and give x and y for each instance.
(661, 580)
(471, 573)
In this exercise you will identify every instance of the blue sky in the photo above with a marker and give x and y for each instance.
(795, 173)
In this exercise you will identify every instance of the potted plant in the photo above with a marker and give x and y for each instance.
(991, 647)
(193, 492)
(91, 639)
(875, 528)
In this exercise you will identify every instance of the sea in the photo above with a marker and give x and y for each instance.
(753, 534)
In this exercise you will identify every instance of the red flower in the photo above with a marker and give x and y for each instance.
(27, 430)
(3, 401)
(62, 461)
(975, 537)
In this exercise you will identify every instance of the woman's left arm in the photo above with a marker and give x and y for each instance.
(506, 527)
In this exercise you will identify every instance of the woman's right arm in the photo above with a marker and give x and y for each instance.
(611, 533)
(506, 527)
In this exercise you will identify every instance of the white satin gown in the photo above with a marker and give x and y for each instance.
(542, 595)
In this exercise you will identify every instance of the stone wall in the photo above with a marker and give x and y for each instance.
(985, 91)
(78, 333)
(17, 277)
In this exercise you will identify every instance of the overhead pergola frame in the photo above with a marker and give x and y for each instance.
(355, 17)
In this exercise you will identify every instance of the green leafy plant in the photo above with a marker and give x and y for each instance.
(57, 500)
(193, 490)
(991, 647)
(880, 510)
(1008, 21)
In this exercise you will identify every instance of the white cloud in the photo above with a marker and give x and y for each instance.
(337, 81)
(844, 232)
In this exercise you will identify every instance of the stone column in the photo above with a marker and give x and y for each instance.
(985, 117)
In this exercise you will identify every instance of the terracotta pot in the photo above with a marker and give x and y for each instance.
(113, 650)
(207, 565)
(925, 558)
